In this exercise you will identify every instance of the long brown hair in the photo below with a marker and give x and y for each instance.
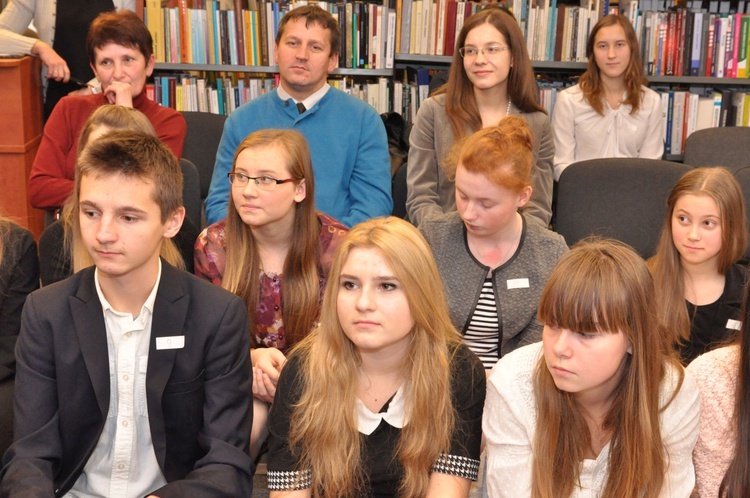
(666, 265)
(736, 482)
(603, 285)
(460, 103)
(301, 282)
(324, 422)
(591, 82)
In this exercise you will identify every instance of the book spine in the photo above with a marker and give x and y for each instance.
(742, 66)
(239, 19)
(671, 45)
(710, 64)
(695, 55)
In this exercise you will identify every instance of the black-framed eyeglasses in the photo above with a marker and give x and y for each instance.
(491, 51)
(264, 182)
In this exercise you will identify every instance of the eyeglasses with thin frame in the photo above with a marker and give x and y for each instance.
(263, 182)
(491, 51)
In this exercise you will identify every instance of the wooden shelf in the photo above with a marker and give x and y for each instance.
(699, 80)
(165, 66)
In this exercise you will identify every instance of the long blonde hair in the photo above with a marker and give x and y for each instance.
(666, 265)
(113, 117)
(324, 422)
(603, 285)
(301, 282)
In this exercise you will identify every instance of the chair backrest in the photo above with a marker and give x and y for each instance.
(622, 198)
(726, 146)
(201, 143)
(743, 178)
(191, 191)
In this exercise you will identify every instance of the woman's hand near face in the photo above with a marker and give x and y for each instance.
(120, 93)
(267, 365)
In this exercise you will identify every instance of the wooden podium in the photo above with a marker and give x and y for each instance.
(21, 127)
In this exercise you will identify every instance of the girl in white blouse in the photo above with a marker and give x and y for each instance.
(610, 112)
(598, 408)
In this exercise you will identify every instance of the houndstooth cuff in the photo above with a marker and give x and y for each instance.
(279, 480)
(465, 467)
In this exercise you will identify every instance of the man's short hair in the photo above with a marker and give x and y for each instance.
(134, 155)
(313, 15)
(122, 27)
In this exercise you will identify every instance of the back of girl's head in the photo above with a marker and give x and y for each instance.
(721, 186)
(603, 285)
(410, 258)
(114, 117)
(502, 153)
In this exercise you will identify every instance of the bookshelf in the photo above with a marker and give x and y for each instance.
(235, 68)
(422, 37)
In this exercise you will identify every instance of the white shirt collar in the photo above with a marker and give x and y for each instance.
(395, 415)
(309, 101)
(147, 305)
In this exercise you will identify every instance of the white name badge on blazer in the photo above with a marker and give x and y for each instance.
(734, 324)
(518, 283)
(170, 342)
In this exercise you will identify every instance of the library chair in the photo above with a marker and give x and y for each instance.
(743, 178)
(201, 143)
(191, 191)
(621, 198)
(726, 146)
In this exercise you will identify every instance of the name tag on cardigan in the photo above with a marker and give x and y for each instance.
(171, 342)
(518, 283)
(734, 324)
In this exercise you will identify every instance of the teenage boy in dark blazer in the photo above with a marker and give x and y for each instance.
(133, 377)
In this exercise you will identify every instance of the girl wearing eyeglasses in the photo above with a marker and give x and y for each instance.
(490, 78)
(610, 112)
(274, 251)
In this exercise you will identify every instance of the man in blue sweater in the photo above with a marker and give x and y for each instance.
(347, 138)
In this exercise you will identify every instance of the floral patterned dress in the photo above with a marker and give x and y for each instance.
(210, 262)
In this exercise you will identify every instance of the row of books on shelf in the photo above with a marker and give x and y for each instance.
(684, 111)
(224, 93)
(430, 27)
(683, 42)
(552, 31)
(687, 112)
(238, 32)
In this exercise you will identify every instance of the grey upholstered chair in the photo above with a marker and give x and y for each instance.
(743, 177)
(191, 191)
(622, 198)
(726, 146)
(201, 143)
